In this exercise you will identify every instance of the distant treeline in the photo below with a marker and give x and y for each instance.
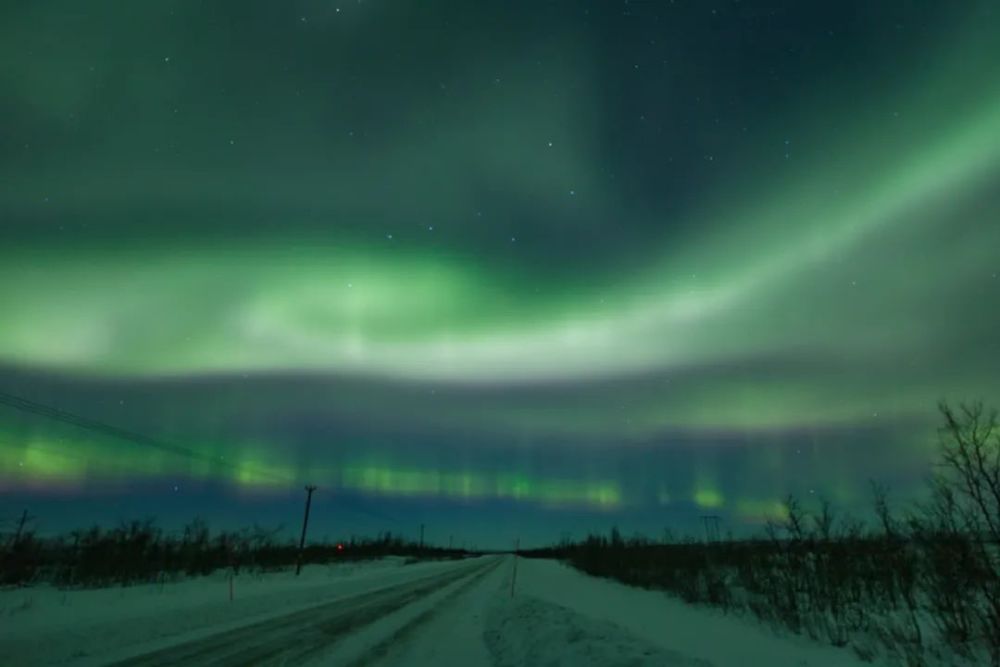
(922, 585)
(140, 552)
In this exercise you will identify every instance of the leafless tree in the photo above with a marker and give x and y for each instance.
(970, 464)
(970, 457)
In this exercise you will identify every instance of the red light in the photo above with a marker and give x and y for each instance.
(340, 547)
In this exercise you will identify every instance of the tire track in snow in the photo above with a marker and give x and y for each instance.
(293, 638)
(383, 649)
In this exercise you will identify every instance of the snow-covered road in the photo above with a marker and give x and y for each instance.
(321, 633)
(458, 613)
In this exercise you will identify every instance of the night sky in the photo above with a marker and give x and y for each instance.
(507, 269)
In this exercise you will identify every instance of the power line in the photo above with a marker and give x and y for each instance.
(86, 423)
(352, 506)
(56, 414)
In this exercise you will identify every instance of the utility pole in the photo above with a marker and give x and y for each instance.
(20, 526)
(421, 537)
(513, 575)
(305, 522)
(21, 523)
(711, 527)
(449, 542)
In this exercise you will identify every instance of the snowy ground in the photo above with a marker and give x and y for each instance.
(581, 609)
(43, 625)
(445, 613)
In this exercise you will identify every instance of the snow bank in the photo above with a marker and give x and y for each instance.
(571, 611)
(531, 633)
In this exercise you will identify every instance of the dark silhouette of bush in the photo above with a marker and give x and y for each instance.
(139, 552)
(20, 558)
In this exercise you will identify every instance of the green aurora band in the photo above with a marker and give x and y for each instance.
(845, 266)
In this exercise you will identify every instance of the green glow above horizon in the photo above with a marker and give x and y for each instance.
(529, 272)
(75, 462)
(72, 464)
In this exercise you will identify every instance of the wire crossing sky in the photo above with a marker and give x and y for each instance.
(562, 265)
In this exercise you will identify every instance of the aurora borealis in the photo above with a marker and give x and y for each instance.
(542, 266)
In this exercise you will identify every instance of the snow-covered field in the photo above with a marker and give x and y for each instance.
(384, 613)
(574, 608)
